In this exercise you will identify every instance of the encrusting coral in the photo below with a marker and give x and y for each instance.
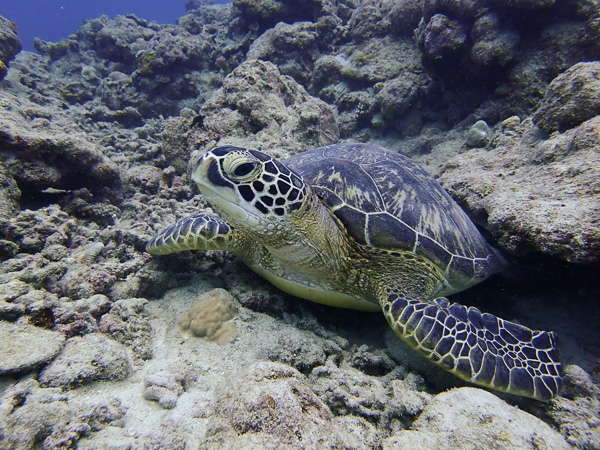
(210, 317)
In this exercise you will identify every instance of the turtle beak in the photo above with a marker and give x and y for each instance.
(219, 191)
(200, 172)
(209, 178)
(200, 175)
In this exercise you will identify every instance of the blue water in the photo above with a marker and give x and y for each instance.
(52, 20)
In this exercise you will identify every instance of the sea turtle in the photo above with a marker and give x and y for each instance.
(359, 226)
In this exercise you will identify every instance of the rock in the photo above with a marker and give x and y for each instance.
(408, 397)
(92, 357)
(363, 434)
(96, 305)
(367, 22)
(528, 4)
(82, 281)
(267, 13)
(572, 98)
(31, 231)
(536, 194)
(474, 47)
(371, 362)
(578, 383)
(13, 289)
(10, 311)
(145, 178)
(326, 70)
(472, 418)
(272, 406)
(9, 194)
(577, 410)
(25, 347)
(9, 44)
(32, 417)
(8, 249)
(258, 108)
(347, 391)
(443, 37)
(129, 324)
(401, 101)
(493, 46)
(164, 387)
(404, 15)
(73, 323)
(292, 48)
(267, 102)
(297, 348)
(379, 60)
(52, 157)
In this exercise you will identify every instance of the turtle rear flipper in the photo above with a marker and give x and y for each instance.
(479, 348)
(197, 232)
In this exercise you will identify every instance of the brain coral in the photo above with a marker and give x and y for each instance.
(210, 317)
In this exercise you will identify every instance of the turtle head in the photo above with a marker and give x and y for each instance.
(248, 187)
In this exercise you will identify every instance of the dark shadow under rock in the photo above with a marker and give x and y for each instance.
(41, 155)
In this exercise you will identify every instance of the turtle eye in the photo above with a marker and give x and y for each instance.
(240, 169)
(244, 169)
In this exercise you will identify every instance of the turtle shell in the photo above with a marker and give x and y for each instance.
(389, 202)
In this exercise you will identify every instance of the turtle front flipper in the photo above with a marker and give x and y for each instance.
(197, 232)
(480, 348)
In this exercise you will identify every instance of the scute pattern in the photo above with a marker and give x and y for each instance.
(479, 347)
(277, 190)
(197, 232)
(404, 208)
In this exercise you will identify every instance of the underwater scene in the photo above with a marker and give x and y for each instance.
(300, 224)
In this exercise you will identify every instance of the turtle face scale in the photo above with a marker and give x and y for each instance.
(248, 187)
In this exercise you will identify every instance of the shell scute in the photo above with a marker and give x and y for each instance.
(387, 232)
(388, 201)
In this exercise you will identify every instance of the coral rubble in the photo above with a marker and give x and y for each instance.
(99, 132)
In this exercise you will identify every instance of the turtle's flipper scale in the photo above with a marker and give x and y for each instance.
(197, 232)
(480, 348)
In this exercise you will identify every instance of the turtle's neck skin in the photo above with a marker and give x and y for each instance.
(306, 255)
(308, 241)
(310, 255)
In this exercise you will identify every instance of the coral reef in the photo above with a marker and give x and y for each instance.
(25, 347)
(272, 405)
(92, 357)
(164, 387)
(256, 107)
(572, 98)
(97, 136)
(127, 322)
(31, 416)
(40, 155)
(576, 412)
(473, 418)
(9, 194)
(9, 44)
(535, 194)
(348, 391)
(210, 318)
(292, 48)
(266, 13)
